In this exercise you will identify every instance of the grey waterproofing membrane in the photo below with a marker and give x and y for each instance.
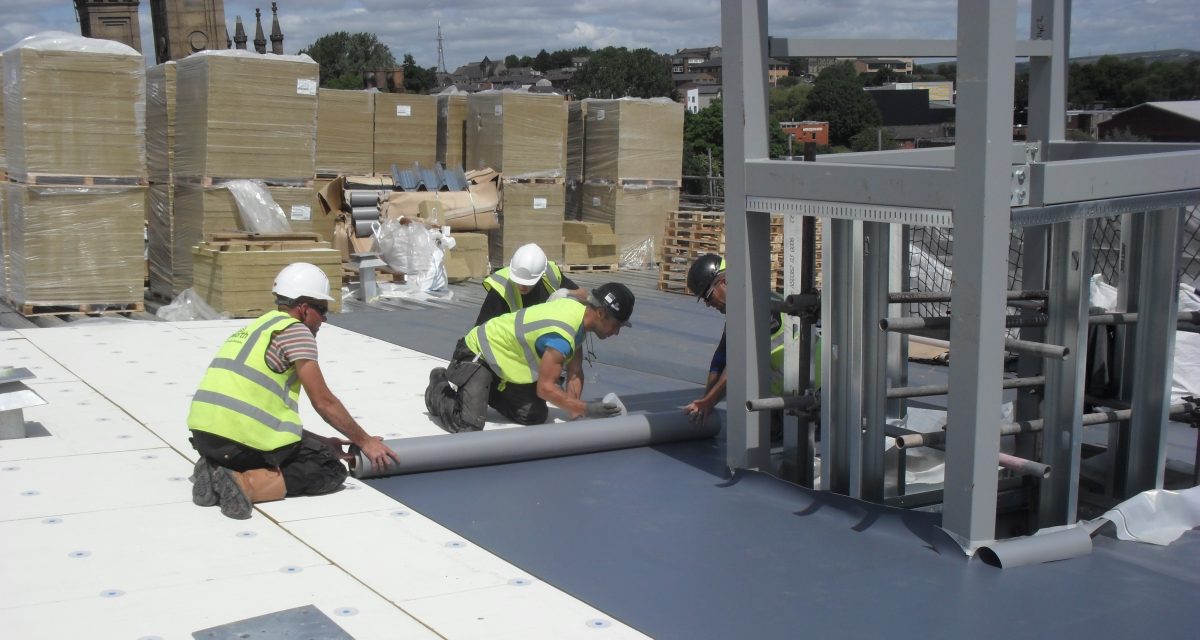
(662, 539)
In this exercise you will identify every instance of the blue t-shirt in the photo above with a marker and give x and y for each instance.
(556, 342)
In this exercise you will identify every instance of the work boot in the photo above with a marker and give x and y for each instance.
(436, 377)
(239, 491)
(203, 494)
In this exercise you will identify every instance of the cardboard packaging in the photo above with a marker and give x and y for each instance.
(73, 246)
(470, 210)
(345, 132)
(405, 131)
(160, 122)
(245, 115)
(521, 135)
(237, 277)
(635, 213)
(633, 139)
(73, 107)
(530, 212)
(452, 129)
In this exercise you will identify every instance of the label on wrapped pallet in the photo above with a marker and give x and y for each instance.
(403, 110)
(301, 212)
(599, 114)
(306, 87)
(595, 201)
(539, 203)
(499, 110)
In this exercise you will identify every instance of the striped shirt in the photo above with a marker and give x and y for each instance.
(294, 343)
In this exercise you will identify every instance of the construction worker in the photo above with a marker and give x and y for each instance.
(528, 279)
(244, 418)
(513, 362)
(706, 279)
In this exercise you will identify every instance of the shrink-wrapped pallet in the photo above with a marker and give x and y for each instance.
(74, 246)
(633, 139)
(345, 132)
(3, 153)
(452, 122)
(405, 131)
(530, 212)
(246, 115)
(235, 275)
(160, 122)
(521, 135)
(161, 250)
(73, 107)
(636, 213)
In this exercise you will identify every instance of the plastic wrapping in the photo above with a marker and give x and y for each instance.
(521, 135)
(415, 250)
(345, 128)
(576, 116)
(405, 130)
(246, 115)
(635, 212)
(639, 255)
(257, 210)
(161, 250)
(529, 212)
(160, 122)
(633, 139)
(75, 245)
(3, 144)
(452, 118)
(1157, 516)
(187, 306)
(6, 260)
(60, 120)
(239, 282)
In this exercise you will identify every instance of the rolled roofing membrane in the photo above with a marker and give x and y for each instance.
(501, 446)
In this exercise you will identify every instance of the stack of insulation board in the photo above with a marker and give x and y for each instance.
(4, 257)
(235, 272)
(589, 244)
(345, 132)
(469, 257)
(160, 166)
(576, 115)
(632, 166)
(73, 225)
(240, 116)
(522, 135)
(405, 131)
(451, 132)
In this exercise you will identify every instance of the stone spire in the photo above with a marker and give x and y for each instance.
(260, 41)
(228, 40)
(239, 35)
(276, 32)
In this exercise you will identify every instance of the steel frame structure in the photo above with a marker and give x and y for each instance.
(982, 187)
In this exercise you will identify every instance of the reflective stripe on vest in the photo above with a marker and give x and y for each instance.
(777, 343)
(508, 342)
(241, 398)
(502, 284)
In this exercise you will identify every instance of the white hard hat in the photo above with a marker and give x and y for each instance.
(528, 265)
(302, 280)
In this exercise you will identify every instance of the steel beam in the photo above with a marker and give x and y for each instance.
(841, 355)
(981, 191)
(1062, 181)
(873, 184)
(1061, 150)
(876, 251)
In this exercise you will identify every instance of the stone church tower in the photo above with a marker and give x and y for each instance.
(110, 20)
(183, 27)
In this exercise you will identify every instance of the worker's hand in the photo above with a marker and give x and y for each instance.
(379, 453)
(336, 445)
(559, 295)
(601, 409)
(697, 411)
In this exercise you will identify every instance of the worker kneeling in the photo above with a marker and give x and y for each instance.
(513, 362)
(245, 419)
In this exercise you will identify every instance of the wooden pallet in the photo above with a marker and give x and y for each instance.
(508, 180)
(586, 268)
(216, 181)
(88, 309)
(233, 241)
(59, 180)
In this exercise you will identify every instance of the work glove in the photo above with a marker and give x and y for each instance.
(601, 409)
(559, 295)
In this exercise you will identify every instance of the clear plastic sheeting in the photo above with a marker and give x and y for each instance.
(189, 306)
(61, 121)
(1156, 517)
(639, 255)
(522, 135)
(632, 139)
(415, 250)
(160, 122)
(257, 210)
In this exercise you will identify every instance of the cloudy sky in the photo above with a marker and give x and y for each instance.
(474, 28)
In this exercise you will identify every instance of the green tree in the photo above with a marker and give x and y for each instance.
(790, 103)
(511, 61)
(418, 79)
(617, 72)
(541, 62)
(703, 133)
(345, 58)
(873, 139)
(837, 97)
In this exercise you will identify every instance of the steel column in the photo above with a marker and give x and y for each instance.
(876, 250)
(981, 215)
(841, 355)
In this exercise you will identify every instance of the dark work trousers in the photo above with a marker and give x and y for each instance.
(309, 467)
(479, 388)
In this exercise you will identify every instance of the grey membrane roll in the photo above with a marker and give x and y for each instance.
(1058, 545)
(502, 446)
(363, 198)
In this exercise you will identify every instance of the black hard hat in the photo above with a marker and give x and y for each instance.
(703, 273)
(616, 299)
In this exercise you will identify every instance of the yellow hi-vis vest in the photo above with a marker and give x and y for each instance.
(777, 348)
(507, 289)
(241, 398)
(508, 342)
